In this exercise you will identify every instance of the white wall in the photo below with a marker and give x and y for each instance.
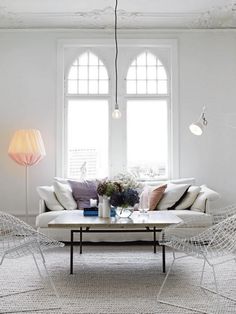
(207, 75)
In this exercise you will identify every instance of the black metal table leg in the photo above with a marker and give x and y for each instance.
(154, 240)
(80, 240)
(71, 250)
(163, 258)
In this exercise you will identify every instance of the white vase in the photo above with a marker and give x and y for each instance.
(106, 208)
(100, 209)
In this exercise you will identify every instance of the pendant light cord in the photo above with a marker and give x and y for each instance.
(116, 57)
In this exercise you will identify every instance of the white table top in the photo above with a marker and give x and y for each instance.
(76, 219)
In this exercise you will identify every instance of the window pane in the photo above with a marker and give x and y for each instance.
(93, 73)
(162, 87)
(83, 72)
(152, 87)
(103, 87)
(141, 73)
(93, 87)
(87, 139)
(152, 60)
(83, 59)
(151, 73)
(131, 87)
(141, 60)
(161, 73)
(72, 73)
(93, 60)
(83, 87)
(103, 73)
(141, 87)
(72, 87)
(131, 73)
(147, 141)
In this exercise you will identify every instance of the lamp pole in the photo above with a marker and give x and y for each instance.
(26, 195)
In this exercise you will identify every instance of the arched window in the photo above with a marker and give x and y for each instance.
(145, 140)
(87, 75)
(86, 119)
(147, 75)
(147, 96)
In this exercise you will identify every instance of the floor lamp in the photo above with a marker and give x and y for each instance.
(27, 149)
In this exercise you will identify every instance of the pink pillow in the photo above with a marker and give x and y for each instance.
(156, 196)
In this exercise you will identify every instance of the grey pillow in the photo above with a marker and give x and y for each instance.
(83, 191)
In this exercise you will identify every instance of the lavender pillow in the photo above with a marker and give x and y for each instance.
(83, 191)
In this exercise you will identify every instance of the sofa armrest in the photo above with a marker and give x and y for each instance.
(42, 206)
(211, 197)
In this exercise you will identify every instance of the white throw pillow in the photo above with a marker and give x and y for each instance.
(189, 198)
(172, 194)
(64, 195)
(204, 195)
(49, 197)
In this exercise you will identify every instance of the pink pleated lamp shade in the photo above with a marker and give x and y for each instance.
(27, 147)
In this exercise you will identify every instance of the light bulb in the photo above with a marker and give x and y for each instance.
(116, 114)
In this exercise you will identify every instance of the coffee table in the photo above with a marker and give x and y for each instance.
(153, 221)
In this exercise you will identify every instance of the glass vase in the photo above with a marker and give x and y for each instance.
(124, 212)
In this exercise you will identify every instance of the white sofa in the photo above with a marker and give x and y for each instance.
(201, 220)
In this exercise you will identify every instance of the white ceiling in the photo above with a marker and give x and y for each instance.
(144, 14)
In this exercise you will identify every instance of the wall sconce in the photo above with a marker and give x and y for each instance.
(197, 127)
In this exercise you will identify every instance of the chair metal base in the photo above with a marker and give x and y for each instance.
(51, 284)
(200, 286)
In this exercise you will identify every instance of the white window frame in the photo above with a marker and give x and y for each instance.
(118, 127)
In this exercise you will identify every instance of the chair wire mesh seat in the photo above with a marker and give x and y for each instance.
(18, 239)
(216, 245)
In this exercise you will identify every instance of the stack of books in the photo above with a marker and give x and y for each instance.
(93, 211)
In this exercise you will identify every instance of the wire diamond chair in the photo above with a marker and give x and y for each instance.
(216, 245)
(223, 213)
(18, 239)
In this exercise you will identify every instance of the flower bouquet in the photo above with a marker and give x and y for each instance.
(122, 195)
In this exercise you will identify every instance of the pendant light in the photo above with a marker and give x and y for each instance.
(116, 114)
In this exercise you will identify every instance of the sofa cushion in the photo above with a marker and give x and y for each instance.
(64, 195)
(156, 196)
(189, 198)
(172, 195)
(43, 219)
(83, 191)
(197, 219)
(48, 195)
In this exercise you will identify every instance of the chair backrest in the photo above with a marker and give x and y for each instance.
(18, 238)
(220, 239)
(224, 235)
